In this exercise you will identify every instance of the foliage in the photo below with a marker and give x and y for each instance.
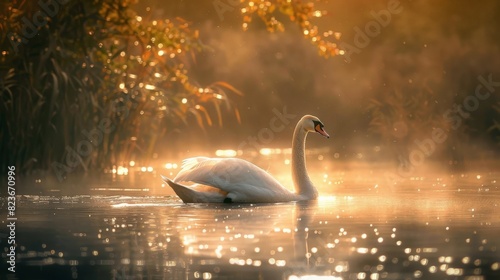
(96, 72)
(300, 12)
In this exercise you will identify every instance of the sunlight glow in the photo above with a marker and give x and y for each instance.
(362, 250)
(225, 153)
(324, 198)
(169, 165)
(270, 151)
(265, 151)
(121, 170)
(147, 169)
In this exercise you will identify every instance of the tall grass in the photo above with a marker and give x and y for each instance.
(93, 61)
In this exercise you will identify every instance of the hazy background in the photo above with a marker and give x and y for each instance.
(437, 47)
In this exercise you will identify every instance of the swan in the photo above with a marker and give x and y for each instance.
(217, 180)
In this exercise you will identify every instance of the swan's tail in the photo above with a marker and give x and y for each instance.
(186, 194)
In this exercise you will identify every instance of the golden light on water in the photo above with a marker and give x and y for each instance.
(265, 151)
(226, 153)
(170, 165)
(351, 236)
(121, 170)
(273, 151)
(315, 277)
(146, 169)
(118, 190)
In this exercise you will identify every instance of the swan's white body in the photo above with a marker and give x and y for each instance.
(237, 180)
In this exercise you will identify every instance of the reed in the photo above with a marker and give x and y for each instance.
(93, 61)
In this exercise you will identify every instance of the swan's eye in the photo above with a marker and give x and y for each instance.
(318, 126)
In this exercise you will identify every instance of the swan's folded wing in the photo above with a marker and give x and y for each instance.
(197, 194)
(238, 177)
(195, 169)
(189, 163)
(215, 171)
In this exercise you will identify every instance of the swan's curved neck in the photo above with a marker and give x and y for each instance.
(303, 185)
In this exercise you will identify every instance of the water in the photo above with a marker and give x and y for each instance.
(437, 227)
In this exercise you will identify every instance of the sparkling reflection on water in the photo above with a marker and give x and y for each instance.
(409, 235)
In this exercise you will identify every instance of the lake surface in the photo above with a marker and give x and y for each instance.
(434, 227)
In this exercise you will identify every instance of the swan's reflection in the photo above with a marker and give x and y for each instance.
(278, 240)
(197, 241)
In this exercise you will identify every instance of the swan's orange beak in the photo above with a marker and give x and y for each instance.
(321, 131)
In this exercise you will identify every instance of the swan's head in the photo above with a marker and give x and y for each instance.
(313, 124)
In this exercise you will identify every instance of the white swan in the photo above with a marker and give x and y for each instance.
(237, 180)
